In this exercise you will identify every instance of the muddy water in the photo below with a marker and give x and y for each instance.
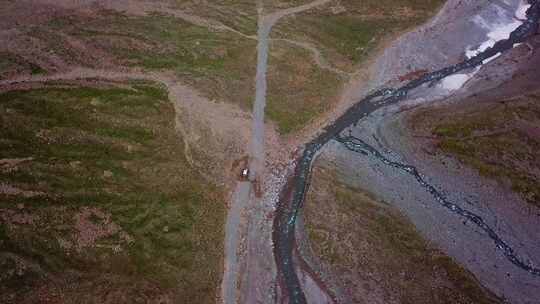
(294, 194)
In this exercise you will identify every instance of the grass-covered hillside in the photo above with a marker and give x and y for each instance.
(98, 203)
(500, 139)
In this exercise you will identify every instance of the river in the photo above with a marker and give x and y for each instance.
(293, 195)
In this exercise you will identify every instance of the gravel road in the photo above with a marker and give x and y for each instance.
(258, 273)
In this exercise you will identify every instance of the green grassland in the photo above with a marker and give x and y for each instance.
(219, 64)
(349, 31)
(112, 149)
(298, 90)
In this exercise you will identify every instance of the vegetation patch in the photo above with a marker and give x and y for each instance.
(220, 64)
(298, 90)
(501, 142)
(240, 15)
(10, 63)
(99, 201)
(348, 31)
(374, 251)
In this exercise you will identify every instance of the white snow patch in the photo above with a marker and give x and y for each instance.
(497, 31)
(522, 10)
(503, 31)
(454, 82)
(491, 58)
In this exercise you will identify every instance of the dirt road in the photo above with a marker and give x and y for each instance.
(265, 24)
(230, 276)
(259, 272)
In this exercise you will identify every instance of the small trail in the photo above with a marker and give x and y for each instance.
(218, 26)
(202, 22)
(145, 7)
(271, 19)
(77, 74)
(317, 56)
